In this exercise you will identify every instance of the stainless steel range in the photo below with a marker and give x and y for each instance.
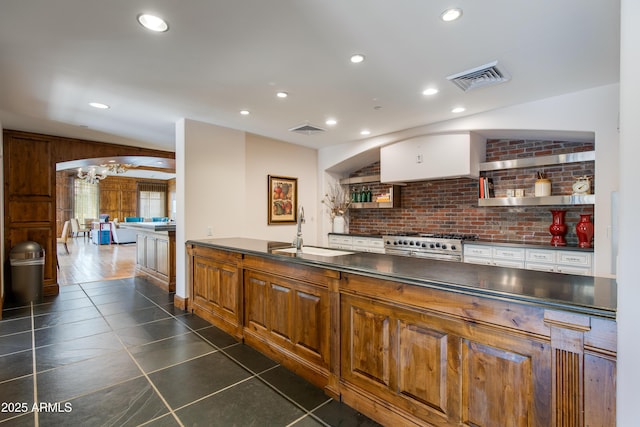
(434, 246)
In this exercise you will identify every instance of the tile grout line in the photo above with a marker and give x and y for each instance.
(35, 373)
(144, 374)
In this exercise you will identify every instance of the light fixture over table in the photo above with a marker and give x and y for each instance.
(91, 176)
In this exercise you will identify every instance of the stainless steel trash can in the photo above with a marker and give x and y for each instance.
(27, 272)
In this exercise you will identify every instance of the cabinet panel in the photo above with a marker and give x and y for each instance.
(541, 255)
(422, 365)
(162, 256)
(508, 253)
(477, 251)
(574, 258)
(369, 345)
(497, 386)
(292, 316)
(216, 292)
(308, 319)
(150, 253)
(538, 266)
(280, 310)
(255, 289)
(141, 250)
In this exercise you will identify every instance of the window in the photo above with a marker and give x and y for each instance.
(85, 200)
(152, 199)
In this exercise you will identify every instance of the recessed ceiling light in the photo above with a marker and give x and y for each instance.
(430, 91)
(99, 105)
(451, 14)
(365, 132)
(331, 122)
(458, 110)
(244, 112)
(282, 94)
(357, 58)
(112, 161)
(153, 23)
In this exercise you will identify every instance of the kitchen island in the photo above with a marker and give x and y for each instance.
(155, 252)
(419, 342)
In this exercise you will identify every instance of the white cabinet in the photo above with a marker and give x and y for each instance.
(432, 157)
(553, 260)
(368, 244)
(339, 241)
(575, 263)
(508, 257)
(357, 243)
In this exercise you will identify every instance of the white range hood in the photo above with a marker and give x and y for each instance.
(431, 157)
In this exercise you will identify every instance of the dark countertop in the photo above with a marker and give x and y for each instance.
(595, 296)
(150, 226)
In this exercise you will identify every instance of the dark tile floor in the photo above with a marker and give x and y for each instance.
(119, 353)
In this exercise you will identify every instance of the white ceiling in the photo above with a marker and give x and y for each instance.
(223, 56)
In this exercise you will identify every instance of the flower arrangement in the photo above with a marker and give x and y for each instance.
(337, 200)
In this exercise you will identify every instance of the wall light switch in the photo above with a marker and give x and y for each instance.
(209, 231)
(419, 158)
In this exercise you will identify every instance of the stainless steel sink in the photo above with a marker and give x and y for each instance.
(313, 250)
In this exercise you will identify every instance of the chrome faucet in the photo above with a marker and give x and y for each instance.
(297, 241)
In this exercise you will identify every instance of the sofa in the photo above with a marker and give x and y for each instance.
(122, 235)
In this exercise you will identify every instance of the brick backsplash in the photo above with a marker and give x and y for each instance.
(451, 205)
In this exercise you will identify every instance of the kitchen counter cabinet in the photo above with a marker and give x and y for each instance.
(383, 335)
(156, 253)
(287, 315)
(215, 277)
(441, 370)
(531, 257)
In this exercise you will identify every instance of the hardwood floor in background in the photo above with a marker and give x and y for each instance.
(87, 262)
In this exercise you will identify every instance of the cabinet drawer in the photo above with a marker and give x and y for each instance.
(477, 251)
(569, 269)
(540, 266)
(368, 242)
(340, 240)
(508, 263)
(478, 260)
(508, 253)
(574, 258)
(540, 255)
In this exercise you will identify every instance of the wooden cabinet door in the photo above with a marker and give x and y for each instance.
(290, 314)
(216, 288)
(442, 370)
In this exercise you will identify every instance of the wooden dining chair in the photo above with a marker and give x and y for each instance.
(62, 240)
(76, 229)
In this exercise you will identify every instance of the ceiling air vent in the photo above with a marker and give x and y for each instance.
(307, 129)
(484, 75)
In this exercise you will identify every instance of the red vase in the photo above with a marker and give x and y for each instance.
(584, 231)
(558, 228)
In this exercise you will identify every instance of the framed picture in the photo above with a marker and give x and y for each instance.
(283, 200)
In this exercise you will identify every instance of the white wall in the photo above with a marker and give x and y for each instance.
(221, 182)
(594, 110)
(628, 265)
(265, 156)
(210, 185)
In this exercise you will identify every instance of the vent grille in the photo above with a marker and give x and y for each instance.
(307, 129)
(482, 76)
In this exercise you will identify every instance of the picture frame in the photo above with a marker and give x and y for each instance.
(283, 200)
